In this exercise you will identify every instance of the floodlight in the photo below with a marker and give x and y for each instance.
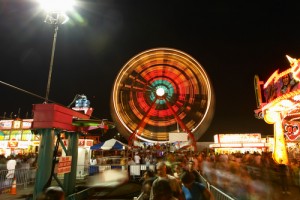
(56, 5)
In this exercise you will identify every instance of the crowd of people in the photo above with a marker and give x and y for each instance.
(18, 161)
(241, 175)
(161, 185)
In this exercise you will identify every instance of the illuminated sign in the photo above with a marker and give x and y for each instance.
(26, 124)
(234, 138)
(23, 144)
(230, 145)
(5, 124)
(3, 144)
(253, 144)
(214, 145)
(12, 144)
(15, 124)
(279, 84)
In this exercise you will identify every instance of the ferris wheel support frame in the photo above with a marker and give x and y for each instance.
(181, 124)
(132, 137)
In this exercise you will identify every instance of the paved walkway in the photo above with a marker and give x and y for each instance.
(114, 180)
(106, 179)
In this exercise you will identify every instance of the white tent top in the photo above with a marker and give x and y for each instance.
(110, 144)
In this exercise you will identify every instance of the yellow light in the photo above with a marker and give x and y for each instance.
(270, 117)
(56, 5)
(280, 153)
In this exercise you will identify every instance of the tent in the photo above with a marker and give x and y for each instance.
(109, 144)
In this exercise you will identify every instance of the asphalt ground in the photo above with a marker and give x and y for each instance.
(115, 186)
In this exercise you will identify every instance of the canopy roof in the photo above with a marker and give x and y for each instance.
(109, 144)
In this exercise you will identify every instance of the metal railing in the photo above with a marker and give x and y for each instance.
(23, 177)
(219, 194)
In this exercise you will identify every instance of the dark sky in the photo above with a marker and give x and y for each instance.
(232, 40)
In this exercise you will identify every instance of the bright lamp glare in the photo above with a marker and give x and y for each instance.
(160, 92)
(56, 5)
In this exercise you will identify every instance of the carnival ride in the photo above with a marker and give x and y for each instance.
(278, 103)
(51, 121)
(160, 92)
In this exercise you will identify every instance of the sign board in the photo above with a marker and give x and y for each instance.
(178, 137)
(238, 138)
(16, 124)
(83, 143)
(64, 164)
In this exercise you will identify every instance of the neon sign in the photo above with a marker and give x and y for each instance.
(281, 107)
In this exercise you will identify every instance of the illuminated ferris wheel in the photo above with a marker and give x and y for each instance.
(162, 91)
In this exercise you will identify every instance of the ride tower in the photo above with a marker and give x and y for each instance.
(51, 121)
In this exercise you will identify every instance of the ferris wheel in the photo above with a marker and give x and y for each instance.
(162, 91)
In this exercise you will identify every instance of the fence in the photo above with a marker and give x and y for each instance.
(24, 177)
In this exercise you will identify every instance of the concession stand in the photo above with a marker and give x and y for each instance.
(16, 137)
(239, 142)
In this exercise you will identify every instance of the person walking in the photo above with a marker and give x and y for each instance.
(10, 165)
(283, 170)
(161, 171)
(193, 190)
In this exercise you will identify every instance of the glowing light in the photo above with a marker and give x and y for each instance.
(270, 117)
(296, 98)
(280, 151)
(56, 5)
(295, 67)
(286, 103)
(160, 92)
(276, 76)
(292, 61)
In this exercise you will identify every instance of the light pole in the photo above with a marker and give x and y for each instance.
(55, 15)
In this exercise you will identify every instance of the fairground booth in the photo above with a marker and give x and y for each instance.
(16, 137)
(240, 142)
(278, 103)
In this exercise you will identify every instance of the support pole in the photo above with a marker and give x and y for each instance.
(70, 178)
(44, 162)
(51, 63)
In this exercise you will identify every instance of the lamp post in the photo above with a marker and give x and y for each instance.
(55, 15)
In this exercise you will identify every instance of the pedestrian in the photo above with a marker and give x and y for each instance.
(161, 171)
(191, 168)
(193, 190)
(146, 189)
(10, 165)
(52, 193)
(283, 170)
(162, 190)
(137, 158)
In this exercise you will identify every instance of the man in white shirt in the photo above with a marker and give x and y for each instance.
(11, 165)
(137, 158)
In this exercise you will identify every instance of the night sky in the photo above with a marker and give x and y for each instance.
(232, 40)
